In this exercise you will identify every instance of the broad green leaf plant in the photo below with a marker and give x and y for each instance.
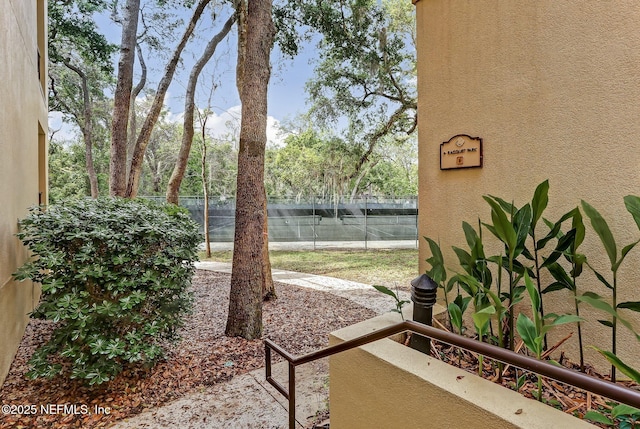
(533, 331)
(115, 278)
(568, 246)
(564, 263)
(396, 297)
(600, 226)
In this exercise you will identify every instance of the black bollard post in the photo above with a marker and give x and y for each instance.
(423, 295)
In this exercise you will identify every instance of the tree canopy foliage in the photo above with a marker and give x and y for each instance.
(357, 137)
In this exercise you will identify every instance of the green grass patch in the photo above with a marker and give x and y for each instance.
(389, 267)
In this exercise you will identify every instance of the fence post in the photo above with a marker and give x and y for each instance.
(366, 231)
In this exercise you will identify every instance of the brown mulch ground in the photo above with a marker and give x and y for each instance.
(299, 320)
(566, 398)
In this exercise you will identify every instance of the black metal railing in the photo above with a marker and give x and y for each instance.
(600, 387)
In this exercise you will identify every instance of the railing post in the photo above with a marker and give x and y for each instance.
(423, 295)
(292, 395)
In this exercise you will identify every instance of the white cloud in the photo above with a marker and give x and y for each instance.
(218, 126)
(228, 123)
(62, 131)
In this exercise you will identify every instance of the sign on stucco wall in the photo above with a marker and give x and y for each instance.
(461, 151)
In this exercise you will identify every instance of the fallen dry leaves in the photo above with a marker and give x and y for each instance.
(299, 320)
(567, 398)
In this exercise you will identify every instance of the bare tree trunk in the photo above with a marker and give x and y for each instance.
(133, 120)
(87, 129)
(363, 172)
(205, 187)
(173, 187)
(245, 300)
(268, 288)
(155, 167)
(241, 12)
(156, 107)
(121, 101)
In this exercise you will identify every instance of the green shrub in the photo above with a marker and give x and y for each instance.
(115, 275)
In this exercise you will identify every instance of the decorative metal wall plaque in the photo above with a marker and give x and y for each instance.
(461, 151)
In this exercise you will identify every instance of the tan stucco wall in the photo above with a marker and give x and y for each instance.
(23, 127)
(553, 89)
(388, 385)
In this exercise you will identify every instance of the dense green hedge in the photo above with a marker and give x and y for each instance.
(115, 275)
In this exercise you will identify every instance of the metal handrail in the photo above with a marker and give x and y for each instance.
(600, 387)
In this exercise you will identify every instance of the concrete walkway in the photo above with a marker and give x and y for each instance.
(360, 293)
(247, 401)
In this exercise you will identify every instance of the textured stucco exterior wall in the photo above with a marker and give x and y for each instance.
(388, 385)
(553, 89)
(23, 127)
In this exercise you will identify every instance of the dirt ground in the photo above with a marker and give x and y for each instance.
(299, 320)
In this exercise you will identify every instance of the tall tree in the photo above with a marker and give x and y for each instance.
(245, 301)
(121, 100)
(268, 287)
(151, 119)
(87, 127)
(76, 45)
(173, 187)
(365, 74)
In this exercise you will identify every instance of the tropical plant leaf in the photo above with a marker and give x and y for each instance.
(560, 320)
(601, 228)
(464, 258)
(472, 284)
(564, 243)
(606, 323)
(578, 225)
(504, 231)
(470, 234)
(597, 301)
(632, 203)
(522, 224)
(452, 281)
(386, 291)
(456, 316)
(565, 318)
(601, 277)
(533, 294)
(553, 233)
(462, 303)
(527, 254)
(597, 417)
(438, 273)
(560, 275)
(626, 249)
(518, 295)
(539, 202)
(507, 207)
(491, 229)
(500, 309)
(618, 363)
(623, 410)
(527, 330)
(631, 305)
(481, 318)
(553, 287)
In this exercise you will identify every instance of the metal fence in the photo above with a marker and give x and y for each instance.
(317, 219)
